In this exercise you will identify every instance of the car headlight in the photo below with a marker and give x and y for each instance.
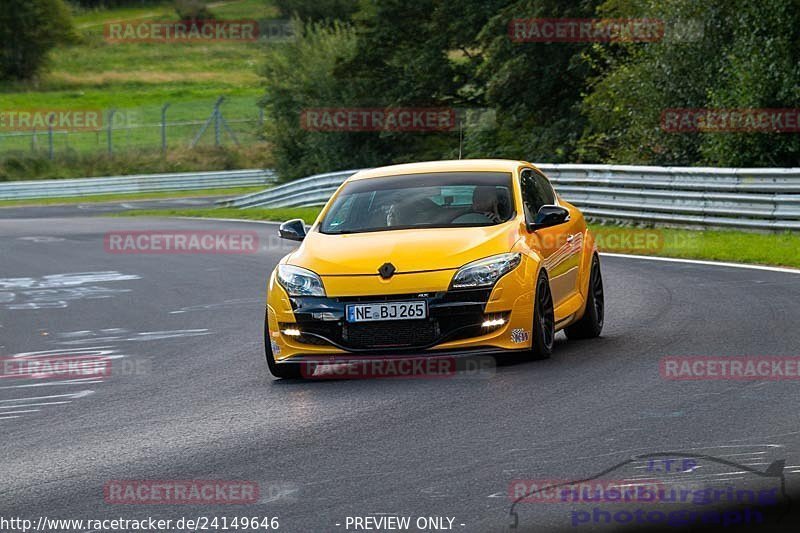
(300, 281)
(485, 272)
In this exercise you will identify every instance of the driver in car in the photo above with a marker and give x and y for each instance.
(485, 202)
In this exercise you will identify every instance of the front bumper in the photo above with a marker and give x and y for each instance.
(451, 316)
(447, 355)
(453, 327)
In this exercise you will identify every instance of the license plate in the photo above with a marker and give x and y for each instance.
(387, 311)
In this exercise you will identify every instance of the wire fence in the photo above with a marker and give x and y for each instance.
(183, 125)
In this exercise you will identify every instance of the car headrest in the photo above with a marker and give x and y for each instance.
(503, 202)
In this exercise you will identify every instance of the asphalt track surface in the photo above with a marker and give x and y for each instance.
(190, 397)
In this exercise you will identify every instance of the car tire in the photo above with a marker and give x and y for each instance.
(543, 330)
(591, 324)
(283, 370)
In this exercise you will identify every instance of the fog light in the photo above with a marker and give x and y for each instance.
(291, 332)
(493, 323)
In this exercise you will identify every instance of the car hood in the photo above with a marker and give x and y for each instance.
(410, 250)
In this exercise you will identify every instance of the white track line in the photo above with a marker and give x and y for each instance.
(80, 394)
(33, 405)
(628, 256)
(227, 220)
(83, 381)
(708, 263)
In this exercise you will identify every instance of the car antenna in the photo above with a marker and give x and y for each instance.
(460, 136)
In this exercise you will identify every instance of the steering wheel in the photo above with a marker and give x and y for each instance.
(470, 217)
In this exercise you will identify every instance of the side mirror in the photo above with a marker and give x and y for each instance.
(293, 230)
(549, 215)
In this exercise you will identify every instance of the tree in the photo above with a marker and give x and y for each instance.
(715, 54)
(298, 76)
(552, 101)
(428, 60)
(28, 30)
(534, 87)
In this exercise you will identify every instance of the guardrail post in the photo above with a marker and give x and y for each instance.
(218, 121)
(110, 134)
(164, 129)
(50, 147)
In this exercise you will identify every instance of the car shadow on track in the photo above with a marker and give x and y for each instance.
(477, 367)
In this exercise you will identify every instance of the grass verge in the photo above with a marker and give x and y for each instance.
(100, 198)
(280, 214)
(777, 249)
(20, 166)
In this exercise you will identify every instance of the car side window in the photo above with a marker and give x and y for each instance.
(545, 188)
(536, 192)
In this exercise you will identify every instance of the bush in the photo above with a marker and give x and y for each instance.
(193, 10)
(318, 10)
(28, 30)
(300, 75)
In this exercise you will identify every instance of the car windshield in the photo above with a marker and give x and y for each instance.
(436, 200)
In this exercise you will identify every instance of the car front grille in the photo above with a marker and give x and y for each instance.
(390, 333)
(453, 315)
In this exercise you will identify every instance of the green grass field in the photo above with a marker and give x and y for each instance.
(137, 79)
(779, 249)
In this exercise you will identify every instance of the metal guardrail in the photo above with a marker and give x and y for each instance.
(23, 190)
(680, 196)
(306, 192)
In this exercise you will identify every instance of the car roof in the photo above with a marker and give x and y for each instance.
(456, 165)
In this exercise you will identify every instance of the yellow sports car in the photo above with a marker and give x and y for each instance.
(447, 258)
